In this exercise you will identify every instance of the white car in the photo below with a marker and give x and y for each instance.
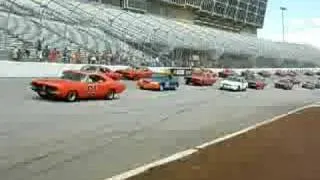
(234, 83)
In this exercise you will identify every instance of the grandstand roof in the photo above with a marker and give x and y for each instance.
(146, 28)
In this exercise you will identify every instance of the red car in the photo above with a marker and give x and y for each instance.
(101, 69)
(226, 73)
(75, 85)
(201, 78)
(256, 83)
(135, 73)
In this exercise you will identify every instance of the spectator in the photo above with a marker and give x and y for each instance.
(65, 55)
(53, 55)
(93, 59)
(27, 53)
(15, 54)
(19, 54)
(39, 47)
(78, 57)
(97, 55)
(73, 58)
(45, 53)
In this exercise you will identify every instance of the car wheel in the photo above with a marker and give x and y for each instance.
(43, 96)
(176, 86)
(72, 96)
(140, 87)
(239, 88)
(161, 87)
(111, 95)
(188, 82)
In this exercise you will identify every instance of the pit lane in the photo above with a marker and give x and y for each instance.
(44, 140)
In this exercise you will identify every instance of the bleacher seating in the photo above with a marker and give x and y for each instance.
(96, 27)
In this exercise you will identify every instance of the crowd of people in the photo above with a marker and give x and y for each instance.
(66, 55)
(43, 53)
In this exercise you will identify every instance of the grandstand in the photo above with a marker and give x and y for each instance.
(139, 37)
(241, 16)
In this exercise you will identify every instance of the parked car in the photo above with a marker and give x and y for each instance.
(284, 84)
(247, 73)
(102, 69)
(234, 83)
(265, 74)
(280, 73)
(201, 77)
(317, 84)
(292, 73)
(308, 85)
(159, 82)
(295, 81)
(256, 83)
(135, 73)
(226, 73)
(309, 73)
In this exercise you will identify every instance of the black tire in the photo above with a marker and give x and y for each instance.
(43, 96)
(72, 96)
(176, 86)
(239, 88)
(111, 95)
(161, 87)
(188, 81)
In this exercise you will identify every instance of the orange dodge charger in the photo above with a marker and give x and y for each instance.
(135, 73)
(75, 85)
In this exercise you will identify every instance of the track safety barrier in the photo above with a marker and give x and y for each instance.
(10, 69)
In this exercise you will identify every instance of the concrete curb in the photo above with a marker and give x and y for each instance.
(180, 155)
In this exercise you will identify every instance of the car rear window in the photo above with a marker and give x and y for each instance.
(89, 68)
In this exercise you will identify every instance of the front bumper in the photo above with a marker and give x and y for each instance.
(45, 91)
(252, 85)
(228, 87)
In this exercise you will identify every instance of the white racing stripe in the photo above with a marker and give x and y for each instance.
(189, 152)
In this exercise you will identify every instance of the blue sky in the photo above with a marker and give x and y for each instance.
(302, 21)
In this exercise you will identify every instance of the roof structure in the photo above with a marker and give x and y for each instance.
(166, 34)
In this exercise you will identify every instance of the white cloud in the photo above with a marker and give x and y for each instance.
(304, 31)
(312, 22)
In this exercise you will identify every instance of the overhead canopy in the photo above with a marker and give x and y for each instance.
(149, 29)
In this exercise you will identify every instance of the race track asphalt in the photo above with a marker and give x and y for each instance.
(93, 140)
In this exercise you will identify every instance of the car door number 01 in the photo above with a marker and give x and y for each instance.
(92, 89)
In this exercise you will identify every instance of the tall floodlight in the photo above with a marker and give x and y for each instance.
(283, 9)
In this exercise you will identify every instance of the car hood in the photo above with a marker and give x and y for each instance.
(282, 83)
(252, 81)
(148, 80)
(229, 82)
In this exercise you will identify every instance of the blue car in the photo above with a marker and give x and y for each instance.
(159, 82)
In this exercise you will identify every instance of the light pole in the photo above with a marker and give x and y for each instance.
(283, 9)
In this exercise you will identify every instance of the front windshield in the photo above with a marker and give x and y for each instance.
(158, 77)
(73, 76)
(284, 81)
(236, 79)
(89, 68)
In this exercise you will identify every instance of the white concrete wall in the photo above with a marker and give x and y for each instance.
(10, 69)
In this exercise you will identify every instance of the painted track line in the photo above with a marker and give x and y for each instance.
(180, 155)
